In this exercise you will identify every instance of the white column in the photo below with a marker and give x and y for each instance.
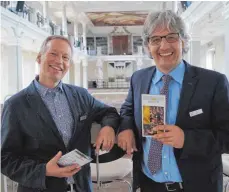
(15, 63)
(77, 72)
(99, 65)
(226, 41)
(175, 6)
(45, 9)
(64, 22)
(76, 31)
(164, 5)
(193, 56)
(33, 15)
(108, 45)
(99, 50)
(84, 38)
(85, 79)
(139, 50)
(4, 72)
(95, 44)
(132, 44)
(139, 63)
(57, 30)
(195, 46)
(46, 16)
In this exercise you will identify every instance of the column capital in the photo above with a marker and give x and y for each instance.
(18, 32)
(139, 63)
(225, 12)
(140, 50)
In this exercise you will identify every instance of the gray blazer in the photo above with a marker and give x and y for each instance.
(30, 137)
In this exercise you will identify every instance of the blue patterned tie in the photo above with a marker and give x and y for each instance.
(154, 159)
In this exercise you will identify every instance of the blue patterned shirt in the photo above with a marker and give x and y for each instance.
(57, 104)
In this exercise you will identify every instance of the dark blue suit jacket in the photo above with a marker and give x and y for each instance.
(30, 137)
(206, 134)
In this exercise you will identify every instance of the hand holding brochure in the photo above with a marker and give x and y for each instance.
(74, 157)
(153, 113)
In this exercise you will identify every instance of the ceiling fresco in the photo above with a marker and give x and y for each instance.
(129, 18)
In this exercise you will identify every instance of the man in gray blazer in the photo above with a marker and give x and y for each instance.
(48, 119)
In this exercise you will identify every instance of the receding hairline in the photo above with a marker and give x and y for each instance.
(49, 43)
(48, 40)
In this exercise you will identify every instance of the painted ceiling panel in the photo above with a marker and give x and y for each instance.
(128, 18)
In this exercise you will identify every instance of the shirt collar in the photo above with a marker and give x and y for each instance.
(177, 74)
(44, 90)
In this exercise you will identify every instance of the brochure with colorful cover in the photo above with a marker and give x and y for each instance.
(153, 113)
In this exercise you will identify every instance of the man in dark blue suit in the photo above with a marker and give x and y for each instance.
(48, 119)
(185, 154)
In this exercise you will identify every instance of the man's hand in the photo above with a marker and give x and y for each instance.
(53, 169)
(170, 135)
(106, 137)
(126, 141)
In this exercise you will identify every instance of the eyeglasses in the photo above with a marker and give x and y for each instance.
(170, 38)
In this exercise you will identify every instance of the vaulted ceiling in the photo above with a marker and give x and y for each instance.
(102, 16)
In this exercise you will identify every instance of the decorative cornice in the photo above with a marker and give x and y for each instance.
(197, 10)
(83, 18)
(12, 20)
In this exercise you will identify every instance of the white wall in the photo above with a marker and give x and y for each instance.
(219, 54)
(29, 67)
(218, 45)
(203, 55)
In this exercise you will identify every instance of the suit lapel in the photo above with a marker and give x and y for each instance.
(147, 80)
(35, 101)
(188, 88)
(143, 87)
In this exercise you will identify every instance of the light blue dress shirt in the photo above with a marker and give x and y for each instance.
(169, 171)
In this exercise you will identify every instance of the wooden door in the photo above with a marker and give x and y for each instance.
(120, 45)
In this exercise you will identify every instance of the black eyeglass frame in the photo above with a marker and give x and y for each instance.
(178, 36)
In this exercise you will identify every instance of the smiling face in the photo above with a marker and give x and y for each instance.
(166, 55)
(54, 62)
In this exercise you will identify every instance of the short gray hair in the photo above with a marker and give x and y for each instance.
(52, 37)
(165, 19)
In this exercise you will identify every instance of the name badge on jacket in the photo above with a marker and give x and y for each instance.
(196, 112)
(83, 117)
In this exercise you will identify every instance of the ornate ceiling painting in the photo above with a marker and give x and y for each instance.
(129, 18)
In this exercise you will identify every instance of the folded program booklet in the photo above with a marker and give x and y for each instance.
(74, 157)
(153, 113)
